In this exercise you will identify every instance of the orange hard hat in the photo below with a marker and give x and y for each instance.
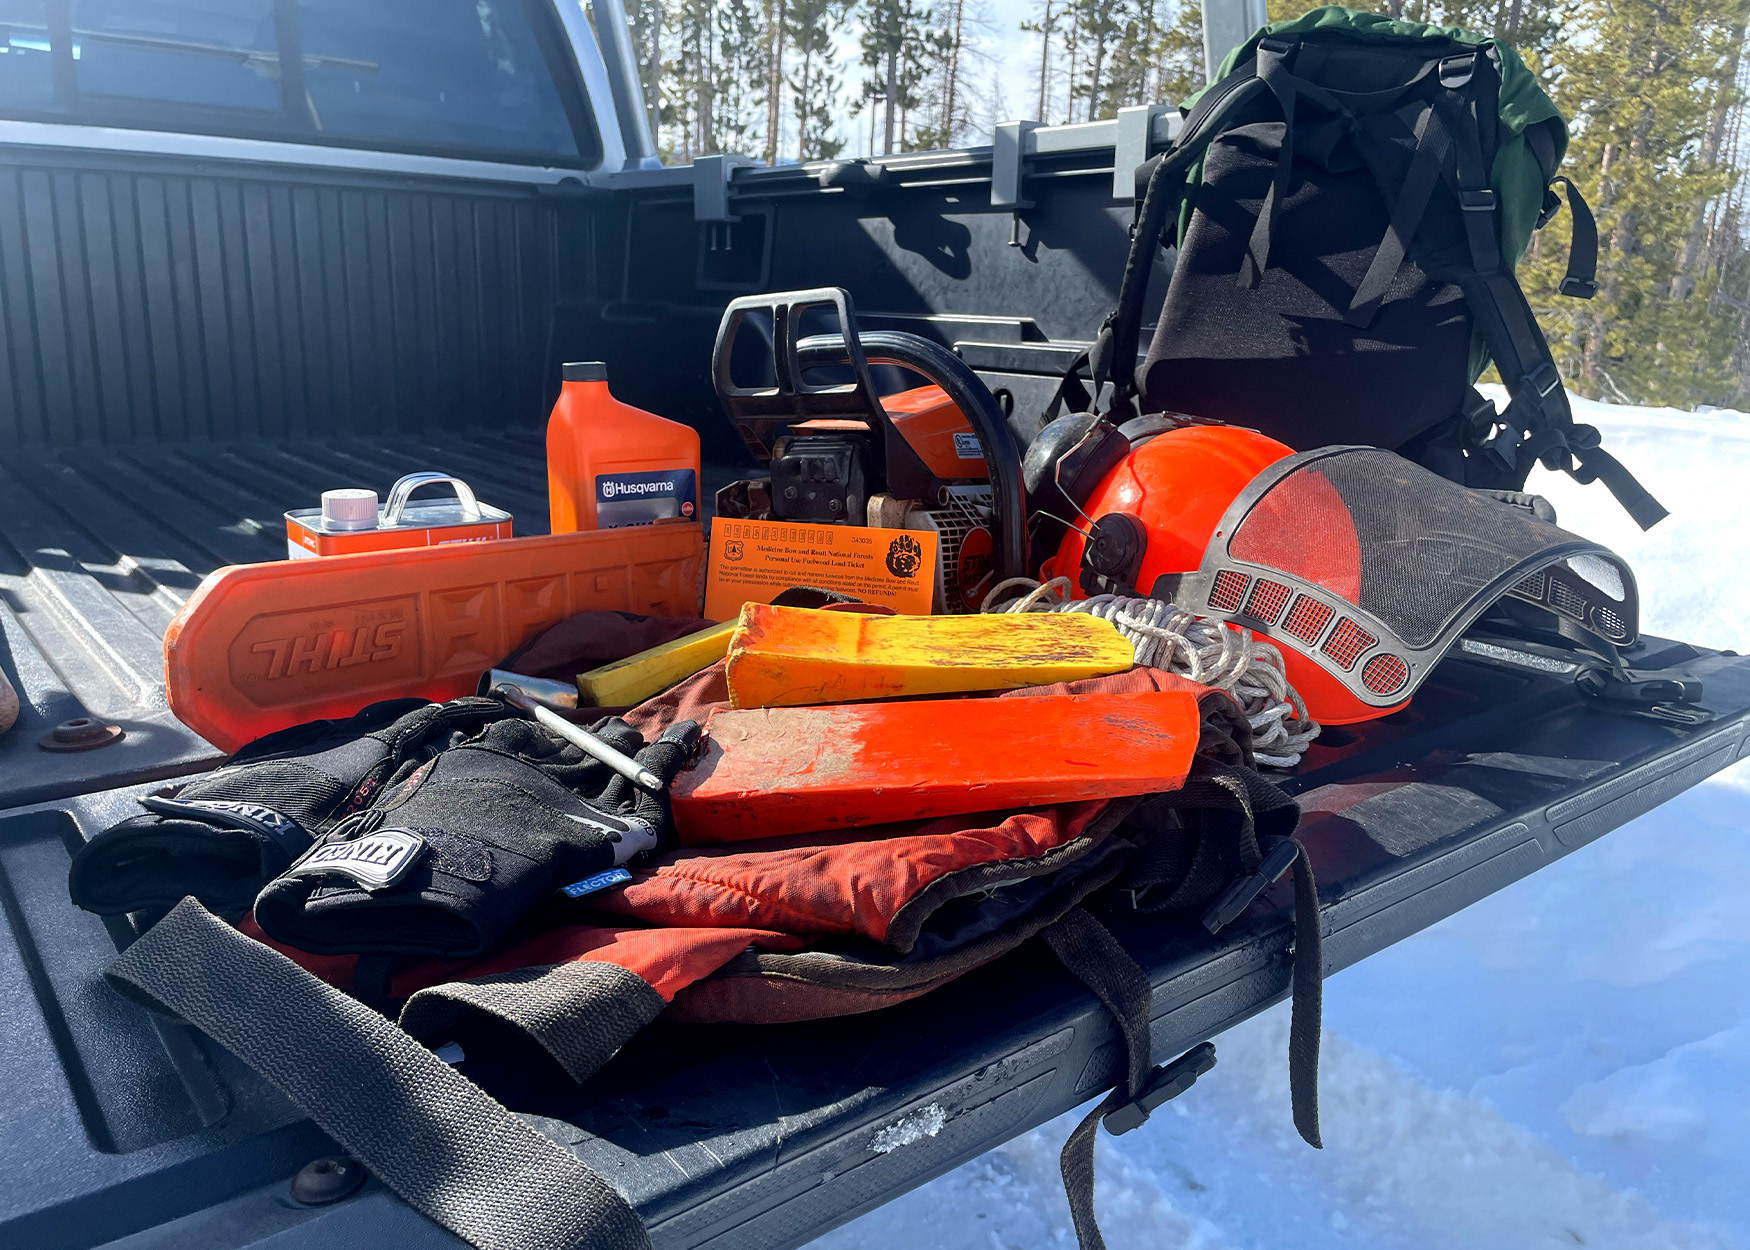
(1362, 568)
(1179, 484)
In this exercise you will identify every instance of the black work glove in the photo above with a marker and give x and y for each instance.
(224, 835)
(444, 864)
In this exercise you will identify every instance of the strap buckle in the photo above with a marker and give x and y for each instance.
(1456, 71)
(1165, 1083)
(1578, 288)
(1479, 416)
(1477, 200)
(1659, 694)
(1544, 379)
(1240, 894)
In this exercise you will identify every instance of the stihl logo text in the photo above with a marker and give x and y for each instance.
(331, 649)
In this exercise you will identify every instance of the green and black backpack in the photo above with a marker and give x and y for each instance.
(1348, 201)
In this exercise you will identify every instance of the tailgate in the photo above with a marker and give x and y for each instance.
(739, 1137)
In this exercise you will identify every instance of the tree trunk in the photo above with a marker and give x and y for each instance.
(774, 75)
(1094, 74)
(1044, 61)
(1150, 69)
(952, 75)
(1071, 46)
(892, 92)
(802, 107)
(1712, 139)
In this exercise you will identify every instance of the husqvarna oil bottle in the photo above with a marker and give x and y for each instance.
(610, 464)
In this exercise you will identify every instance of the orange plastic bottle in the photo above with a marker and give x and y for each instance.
(610, 464)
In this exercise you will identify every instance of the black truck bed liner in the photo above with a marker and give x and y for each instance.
(99, 547)
(737, 1137)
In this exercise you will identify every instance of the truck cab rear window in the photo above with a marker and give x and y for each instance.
(451, 77)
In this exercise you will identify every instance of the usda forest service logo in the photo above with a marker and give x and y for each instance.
(904, 556)
(732, 550)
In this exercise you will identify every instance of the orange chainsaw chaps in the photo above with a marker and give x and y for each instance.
(768, 772)
(258, 647)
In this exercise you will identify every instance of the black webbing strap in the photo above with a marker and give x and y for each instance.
(1257, 820)
(1070, 394)
(436, 1139)
(1273, 73)
(1433, 140)
(1538, 404)
(580, 1013)
(1581, 279)
(1089, 952)
(1306, 1014)
(1476, 197)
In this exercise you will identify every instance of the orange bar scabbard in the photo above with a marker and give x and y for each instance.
(258, 647)
(767, 772)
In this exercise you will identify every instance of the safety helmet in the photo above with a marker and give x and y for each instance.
(1361, 567)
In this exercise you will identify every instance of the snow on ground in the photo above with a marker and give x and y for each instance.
(1564, 1064)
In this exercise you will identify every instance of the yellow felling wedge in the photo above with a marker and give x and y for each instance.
(638, 677)
(793, 657)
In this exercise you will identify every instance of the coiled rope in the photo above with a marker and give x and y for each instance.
(1170, 638)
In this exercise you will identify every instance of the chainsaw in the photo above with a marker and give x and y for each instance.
(936, 455)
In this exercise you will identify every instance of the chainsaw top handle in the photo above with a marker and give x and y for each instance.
(759, 413)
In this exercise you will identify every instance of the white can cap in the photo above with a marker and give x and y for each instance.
(349, 509)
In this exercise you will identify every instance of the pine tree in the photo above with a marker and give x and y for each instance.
(813, 27)
(686, 107)
(1180, 55)
(901, 45)
(646, 19)
(1643, 90)
(739, 99)
(953, 56)
(1051, 15)
(777, 26)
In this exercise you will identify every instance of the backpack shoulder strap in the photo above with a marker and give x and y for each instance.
(1113, 356)
(1538, 424)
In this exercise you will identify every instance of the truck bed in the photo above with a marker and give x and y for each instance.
(100, 545)
(131, 1130)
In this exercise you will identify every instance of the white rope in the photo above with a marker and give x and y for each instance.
(1206, 651)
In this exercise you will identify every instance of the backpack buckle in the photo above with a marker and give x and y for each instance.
(1456, 71)
(1544, 379)
(1240, 894)
(1165, 1083)
(1478, 200)
(1578, 288)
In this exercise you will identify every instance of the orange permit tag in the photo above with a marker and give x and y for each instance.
(755, 561)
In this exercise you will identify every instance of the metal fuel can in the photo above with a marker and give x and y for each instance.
(350, 521)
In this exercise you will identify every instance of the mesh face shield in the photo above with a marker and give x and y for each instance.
(1372, 567)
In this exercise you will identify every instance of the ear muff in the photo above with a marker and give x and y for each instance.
(1065, 464)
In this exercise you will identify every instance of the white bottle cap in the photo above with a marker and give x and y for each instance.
(349, 509)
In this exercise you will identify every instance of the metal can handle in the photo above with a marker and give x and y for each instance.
(403, 490)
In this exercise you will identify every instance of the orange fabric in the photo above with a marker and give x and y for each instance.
(851, 882)
(838, 883)
(768, 772)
